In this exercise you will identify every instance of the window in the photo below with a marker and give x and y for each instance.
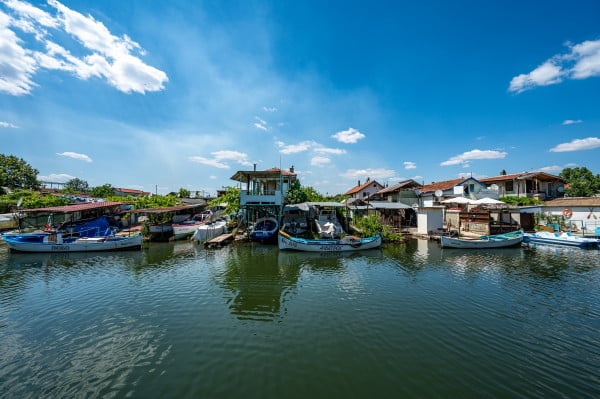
(509, 186)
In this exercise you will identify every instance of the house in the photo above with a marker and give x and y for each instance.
(439, 191)
(403, 192)
(263, 193)
(124, 192)
(364, 190)
(538, 185)
(578, 213)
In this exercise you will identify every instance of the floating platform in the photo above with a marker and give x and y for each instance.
(219, 241)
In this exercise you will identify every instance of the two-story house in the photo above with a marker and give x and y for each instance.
(364, 190)
(442, 190)
(539, 185)
(403, 192)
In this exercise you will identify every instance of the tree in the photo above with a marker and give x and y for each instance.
(231, 198)
(581, 182)
(77, 185)
(103, 191)
(15, 173)
(295, 195)
(184, 193)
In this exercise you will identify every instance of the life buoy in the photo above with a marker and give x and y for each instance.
(567, 213)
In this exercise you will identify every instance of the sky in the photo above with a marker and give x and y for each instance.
(163, 95)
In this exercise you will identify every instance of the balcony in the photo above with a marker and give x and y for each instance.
(263, 197)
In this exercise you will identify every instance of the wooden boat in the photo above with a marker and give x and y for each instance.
(348, 243)
(545, 237)
(187, 227)
(265, 229)
(55, 242)
(495, 241)
(209, 230)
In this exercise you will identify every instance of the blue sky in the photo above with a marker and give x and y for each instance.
(175, 94)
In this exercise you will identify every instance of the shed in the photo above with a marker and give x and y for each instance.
(430, 218)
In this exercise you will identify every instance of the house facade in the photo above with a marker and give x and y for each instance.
(539, 185)
(469, 188)
(266, 187)
(403, 192)
(364, 190)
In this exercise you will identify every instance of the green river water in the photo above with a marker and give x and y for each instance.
(249, 321)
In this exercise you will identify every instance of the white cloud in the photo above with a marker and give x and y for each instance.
(410, 165)
(464, 158)
(213, 177)
(110, 57)
(372, 173)
(319, 161)
(74, 155)
(56, 177)
(578, 145)
(295, 148)
(333, 151)
(466, 175)
(551, 169)
(220, 156)
(583, 61)
(261, 124)
(571, 122)
(7, 124)
(349, 136)
(417, 177)
(269, 109)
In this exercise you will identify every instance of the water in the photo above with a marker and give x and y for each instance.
(175, 320)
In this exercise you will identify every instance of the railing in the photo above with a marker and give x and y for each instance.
(260, 197)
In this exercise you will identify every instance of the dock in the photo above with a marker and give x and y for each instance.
(219, 241)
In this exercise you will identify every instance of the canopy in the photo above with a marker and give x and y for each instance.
(458, 200)
(487, 201)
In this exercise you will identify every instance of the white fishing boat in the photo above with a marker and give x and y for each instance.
(348, 243)
(495, 241)
(568, 239)
(209, 230)
(187, 227)
(328, 224)
(55, 242)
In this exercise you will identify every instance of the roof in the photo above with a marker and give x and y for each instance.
(575, 201)
(388, 205)
(441, 185)
(396, 187)
(75, 208)
(246, 175)
(130, 191)
(356, 189)
(523, 175)
(167, 209)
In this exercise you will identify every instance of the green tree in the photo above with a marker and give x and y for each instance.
(184, 193)
(313, 195)
(15, 173)
(77, 185)
(581, 182)
(30, 200)
(231, 198)
(103, 191)
(295, 195)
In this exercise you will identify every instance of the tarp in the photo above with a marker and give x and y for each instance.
(458, 200)
(93, 228)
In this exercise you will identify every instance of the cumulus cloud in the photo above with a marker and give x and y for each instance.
(571, 122)
(56, 177)
(578, 145)
(295, 148)
(9, 125)
(551, 169)
(319, 161)
(410, 165)
(219, 157)
(333, 151)
(349, 136)
(74, 155)
(581, 62)
(112, 58)
(369, 172)
(464, 158)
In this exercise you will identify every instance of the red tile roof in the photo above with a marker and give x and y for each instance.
(360, 187)
(575, 201)
(130, 191)
(75, 208)
(441, 185)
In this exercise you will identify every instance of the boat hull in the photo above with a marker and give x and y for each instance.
(208, 231)
(328, 245)
(500, 241)
(557, 240)
(93, 244)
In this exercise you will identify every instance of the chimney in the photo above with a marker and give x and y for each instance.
(502, 172)
(255, 167)
(368, 179)
(292, 169)
(358, 184)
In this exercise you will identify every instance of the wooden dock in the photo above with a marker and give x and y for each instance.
(219, 241)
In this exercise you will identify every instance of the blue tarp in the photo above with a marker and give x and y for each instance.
(94, 228)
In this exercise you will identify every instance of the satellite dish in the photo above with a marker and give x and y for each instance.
(415, 205)
(418, 192)
(560, 189)
(20, 202)
(438, 193)
(494, 187)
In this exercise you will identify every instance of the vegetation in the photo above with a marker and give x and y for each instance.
(521, 201)
(581, 182)
(30, 200)
(75, 186)
(184, 193)
(231, 198)
(298, 194)
(15, 173)
(155, 201)
(103, 191)
(369, 225)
